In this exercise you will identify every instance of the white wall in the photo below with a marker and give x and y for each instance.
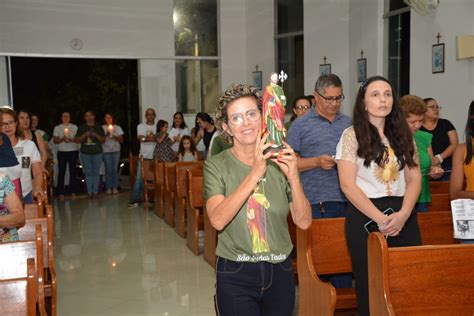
(453, 89)
(326, 33)
(138, 28)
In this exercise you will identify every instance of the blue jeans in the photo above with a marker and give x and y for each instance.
(467, 241)
(263, 288)
(138, 185)
(333, 210)
(67, 159)
(421, 207)
(91, 168)
(111, 175)
(28, 198)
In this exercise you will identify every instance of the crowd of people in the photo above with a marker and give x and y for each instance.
(371, 167)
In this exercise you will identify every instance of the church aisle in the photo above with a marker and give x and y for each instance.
(111, 260)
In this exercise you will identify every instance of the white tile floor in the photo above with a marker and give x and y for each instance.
(111, 260)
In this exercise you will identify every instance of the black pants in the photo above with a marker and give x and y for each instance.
(357, 236)
(67, 158)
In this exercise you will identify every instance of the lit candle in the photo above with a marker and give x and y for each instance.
(66, 132)
(110, 128)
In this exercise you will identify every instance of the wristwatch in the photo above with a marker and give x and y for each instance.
(438, 156)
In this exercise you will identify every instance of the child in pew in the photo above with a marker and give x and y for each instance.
(187, 150)
(163, 151)
(463, 166)
(378, 169)
(12, 215)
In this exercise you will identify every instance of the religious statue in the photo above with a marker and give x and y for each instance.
(273, 104)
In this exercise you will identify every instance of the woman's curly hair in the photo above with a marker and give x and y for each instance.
(234, 92)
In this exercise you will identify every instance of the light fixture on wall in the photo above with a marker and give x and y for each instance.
(422, 7)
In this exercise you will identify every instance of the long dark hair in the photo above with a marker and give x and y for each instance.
(468, 134)
(370, 146)
(160, 125)
(181, 149)
(183, 123)
(302, 97)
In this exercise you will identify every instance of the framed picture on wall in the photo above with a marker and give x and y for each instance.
(257, 79)
(437, 58)
(361, 69)
(324, 69)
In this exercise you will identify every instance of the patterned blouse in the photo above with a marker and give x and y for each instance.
(6, 188)
(164, 152)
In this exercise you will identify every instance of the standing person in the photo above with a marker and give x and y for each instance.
(163, 151)
(91, 136)
(187, 149)
(414, 109)
(301, 105)
(378, 169)
(34, 123)
(201, 148)
(146, 135)
(206, 130)
(314, 138)
(25, 127)
(248, 195)
(8, 162)
(445, 137)
(12, 215)
(463, 166)
(27, 155)
(63, 136)
(178, 130)
(111, 152)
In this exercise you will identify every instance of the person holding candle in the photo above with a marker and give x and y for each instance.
(111, 152)
(63, 136)
(91, 136)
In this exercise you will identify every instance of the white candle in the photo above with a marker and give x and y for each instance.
(110, 128)
(66, 132)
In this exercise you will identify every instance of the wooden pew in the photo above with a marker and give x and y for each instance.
(14, 262)
(440, 202)
(159, 188)
(147, 168)
(195, 209)
(132, 168)
(181, 195)
(28, 232)
(18, 295)
(170, 191)
(33, 210)
(210, 241)
(423, 280)
(439, 187)
(320, 298)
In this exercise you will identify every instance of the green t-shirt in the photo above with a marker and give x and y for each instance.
(219, 144)
(423, 143)
(255, 234)
(90, 145)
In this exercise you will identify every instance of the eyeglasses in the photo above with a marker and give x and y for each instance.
(330, 100)
(302, 107)
(434, 107)
(238, 118)
(8, 123)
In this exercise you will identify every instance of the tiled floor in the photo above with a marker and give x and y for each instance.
(111, 260)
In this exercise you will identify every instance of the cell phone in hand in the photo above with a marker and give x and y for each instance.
(371, 226)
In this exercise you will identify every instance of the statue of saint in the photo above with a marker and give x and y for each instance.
(273, 106)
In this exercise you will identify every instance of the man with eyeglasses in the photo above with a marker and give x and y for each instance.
(314, 137)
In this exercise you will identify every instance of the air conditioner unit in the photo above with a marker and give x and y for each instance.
(464, 47)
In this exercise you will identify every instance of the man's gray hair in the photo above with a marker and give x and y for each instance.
(325, 81)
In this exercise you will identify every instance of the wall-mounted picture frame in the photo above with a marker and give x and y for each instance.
(257, 79)
(324, 69)
(437, 58)
(361, 69)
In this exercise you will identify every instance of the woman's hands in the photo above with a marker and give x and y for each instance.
(260, 160)
(287, 161)
(393, 223)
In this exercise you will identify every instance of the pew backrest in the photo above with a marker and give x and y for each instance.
(439, 187)
(182, 176)
(195, 189)
(422, 280)
(436, 228)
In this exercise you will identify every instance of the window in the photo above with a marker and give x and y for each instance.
(196, 41)
(290, 47)
(398, 22)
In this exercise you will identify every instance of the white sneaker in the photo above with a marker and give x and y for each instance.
(133, 204)
(108, 191)
(115, 191)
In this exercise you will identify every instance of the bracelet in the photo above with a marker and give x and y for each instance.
(439, 158)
